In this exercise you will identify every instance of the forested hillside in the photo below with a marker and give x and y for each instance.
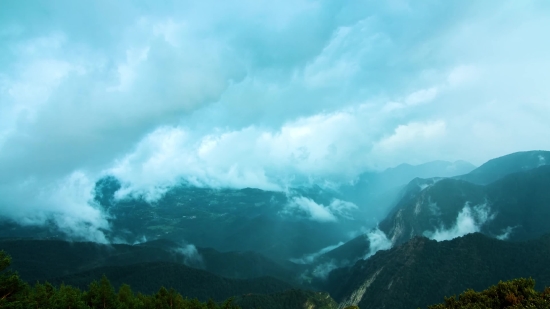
(422, 271)
(17, 294)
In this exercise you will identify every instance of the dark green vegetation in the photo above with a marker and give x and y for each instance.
(517, 294)
(287, 299)
(147, 266)
(422, 271)
(190, 282)
(15, 293)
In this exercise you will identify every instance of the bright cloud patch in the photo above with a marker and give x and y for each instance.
(318, 212)
(310, 258)
(256, 95)
(506, 233)
(469, 220)
(68, 203)
(377, 241)
(191, 256)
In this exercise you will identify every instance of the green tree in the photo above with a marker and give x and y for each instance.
(127, 299)
(515, 294)
(168, 299)
(101, 295)
(67, 297)
(10, 283)
(41, 294)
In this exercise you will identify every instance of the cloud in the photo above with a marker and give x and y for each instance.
(542, 161)
(322, 271)
(469, 220)
(461, 75)
(67, 203)
(377, 241)
(258, 94)
(312, 210)
(506, 233)
(310, 258)
(303, 206)
(191, 256)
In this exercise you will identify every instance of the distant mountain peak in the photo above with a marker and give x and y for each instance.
(497, 168)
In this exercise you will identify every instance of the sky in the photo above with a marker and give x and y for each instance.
(256, 94)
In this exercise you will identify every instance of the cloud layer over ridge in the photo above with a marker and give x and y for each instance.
(256, 94)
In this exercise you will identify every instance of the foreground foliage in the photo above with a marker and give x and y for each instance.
(288, 299)
(513, 294)
(15, 293)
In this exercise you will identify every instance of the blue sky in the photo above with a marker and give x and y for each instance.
(256, 93)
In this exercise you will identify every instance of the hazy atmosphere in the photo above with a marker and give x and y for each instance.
(261, 94)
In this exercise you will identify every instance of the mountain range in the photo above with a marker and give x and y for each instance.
(443, 227)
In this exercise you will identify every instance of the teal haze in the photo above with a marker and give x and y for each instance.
(260, 94)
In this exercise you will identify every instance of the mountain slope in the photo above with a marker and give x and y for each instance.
(499, 167)
(271, 223)
(516, 207)
(46, 259)
(422, 271)
(189, 282)
(377, 192)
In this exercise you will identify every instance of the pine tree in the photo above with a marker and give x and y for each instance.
(101, 295)
(10, 283)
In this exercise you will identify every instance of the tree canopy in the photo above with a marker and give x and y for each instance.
(514, 294)
(17, 294)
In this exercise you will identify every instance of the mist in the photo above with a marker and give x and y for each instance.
(264, 95)
(469, 220)
(191, 256)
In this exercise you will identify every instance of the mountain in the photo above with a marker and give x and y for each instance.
(516, 207)
(404, 173)
(421, 272)
(377, 192)
(47, 259)
(280, 225)
(189, 282)
(275, 224)
(499, 167)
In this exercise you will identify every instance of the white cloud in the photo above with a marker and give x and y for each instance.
(310, 258)
(421, 96)
(312, 210)
(323, 270)
(255, 94)
(462, 74)
(469, 220)
(377, 241)
(191, 256)
(506, 233)
(68, 203)
(406, 135)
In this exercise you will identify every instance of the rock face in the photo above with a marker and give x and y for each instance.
(422, 271)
